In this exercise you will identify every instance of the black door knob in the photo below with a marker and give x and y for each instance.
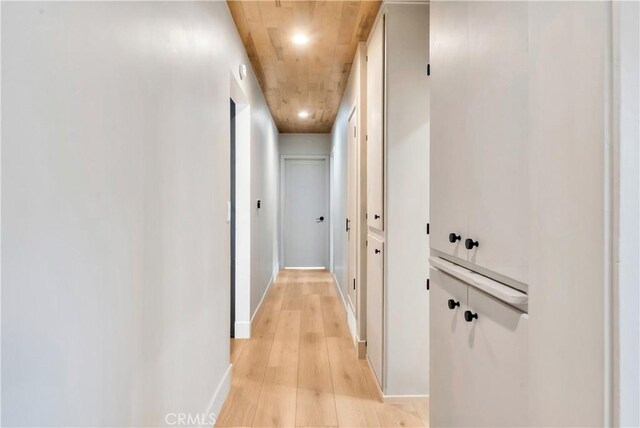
(470, 316)
(452, 304)
(376, 216)
(377, 251)
(470, 243)
(320, 219)
(453, 237)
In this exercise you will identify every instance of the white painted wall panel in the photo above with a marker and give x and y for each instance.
(407, 201)
(115, 181)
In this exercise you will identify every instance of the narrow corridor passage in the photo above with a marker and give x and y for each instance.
(300, 367)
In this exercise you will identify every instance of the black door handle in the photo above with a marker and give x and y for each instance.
(470, 243)
(320, 219)
(453, 237)
(452, 304)
(470, 316)
(376, 216)
(377, 251)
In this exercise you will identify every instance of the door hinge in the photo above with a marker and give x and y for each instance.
(366, 243)
(354, 283)
(428, 69)
(347, 228)
(427, 284)
(366, 137)
(366, 58)
(427, 228)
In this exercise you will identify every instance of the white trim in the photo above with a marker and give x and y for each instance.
(283, 158)
(352, 323)
(271, 281)
(219, 396)
(306, 268)
(347, 309)
(242, 330)
(243, 209)
(336, 283)
(404, 398)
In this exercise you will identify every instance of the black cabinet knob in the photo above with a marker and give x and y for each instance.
(453, 237)
(470, 243)
(452, 304)
(376, 216)
(320, 219)
(377, 251)
(470, 316)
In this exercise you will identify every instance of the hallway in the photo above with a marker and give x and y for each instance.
(300, 367)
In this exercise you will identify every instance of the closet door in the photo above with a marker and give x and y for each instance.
(497, 96)
(448, 350)
(375, 126)
(496, 376)
(450, 136)
(375, 305)
(351, 223)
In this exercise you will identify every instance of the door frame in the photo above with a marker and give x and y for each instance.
(243, 209)
(283, 159)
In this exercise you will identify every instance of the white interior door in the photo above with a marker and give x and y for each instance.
(306, 213)
(352, 213)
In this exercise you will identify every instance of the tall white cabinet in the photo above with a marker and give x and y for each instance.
(397, 198)
(519, 146)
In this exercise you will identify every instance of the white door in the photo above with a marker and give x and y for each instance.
(352, 212)
(306, 213)
(449, 351)
(450, 152)
(375, 305)
(497, 376)
(498, 204)
(375, 127)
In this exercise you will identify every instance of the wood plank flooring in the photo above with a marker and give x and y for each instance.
(300, 368)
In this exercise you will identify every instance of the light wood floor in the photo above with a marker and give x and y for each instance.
(300, 368)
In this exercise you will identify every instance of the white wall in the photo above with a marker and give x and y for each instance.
(115, 181)
(569, 141)
(305, 144)
(265, 178)
(626, 136)
(354, 96)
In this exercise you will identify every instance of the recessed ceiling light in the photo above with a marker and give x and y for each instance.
(300, 39)
(303, 114)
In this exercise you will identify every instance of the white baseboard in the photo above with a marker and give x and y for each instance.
(216, 403)
(242, 330)
(337, 285)
(353, 324)
(266, 290)
(404, 398)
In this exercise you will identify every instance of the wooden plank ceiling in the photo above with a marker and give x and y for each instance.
(310, 77)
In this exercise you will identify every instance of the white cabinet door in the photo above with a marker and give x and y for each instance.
(375, 305)
(497, 204)
(448, 351)
(375, 127)
(496, 375)
(450, 179)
